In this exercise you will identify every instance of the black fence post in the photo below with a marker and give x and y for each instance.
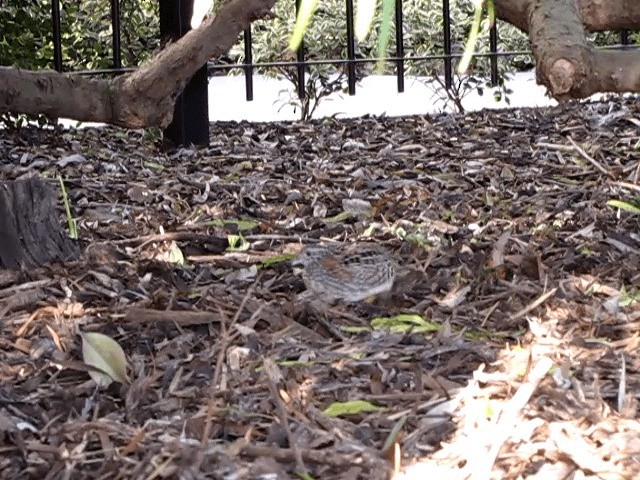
(446, 31)
(351, 49)
(493, 48)
(399, 46)
(57, 38)
(248, 62)
(624, 38)
(190, 123)
(115, 33)
(300, 63)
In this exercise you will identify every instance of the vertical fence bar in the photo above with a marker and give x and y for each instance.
(190, 123)
(248, 64)
(351, 49)
(624, 37)
(448, 71)
(300, 66)
(493, 48)
(115, 33)
(57, 37)
(399, 46)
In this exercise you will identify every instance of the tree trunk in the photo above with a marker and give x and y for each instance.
(30, 232)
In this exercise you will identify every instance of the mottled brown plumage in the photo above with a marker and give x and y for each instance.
(349, 272)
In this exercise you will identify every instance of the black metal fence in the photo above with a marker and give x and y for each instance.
(174, 19)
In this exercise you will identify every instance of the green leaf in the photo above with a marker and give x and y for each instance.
(243, 224)
(406, 322)
(625, 206)
(73, 230)
(388, 6)
(393, 434)
(237, 243)
(175, 255)
(354, 329)
(472, 39)
(153, 165)
(295, 363)
(307, 7)
(104, 353)
(351, 408)
(341, 217)
(267, 262)
(364, 18)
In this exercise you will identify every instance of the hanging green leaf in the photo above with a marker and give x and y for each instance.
(307, 7)
(473, 38)
(388, 6)
(364, 17)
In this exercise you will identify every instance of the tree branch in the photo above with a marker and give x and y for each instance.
(142, 98)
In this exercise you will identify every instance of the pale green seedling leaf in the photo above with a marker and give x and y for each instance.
(237, 243)
(104, 353)
(393, 434)
(341, 217)
(243, 224)
(351, 408)
(73, 230)
(175, 255)
(153, 165)
(406, 322)
(624, 206)
(267, 262)
(295, 363)
(307, 7)
(305, 476)
(354, 329)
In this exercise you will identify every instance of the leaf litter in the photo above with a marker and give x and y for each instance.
(508, 347)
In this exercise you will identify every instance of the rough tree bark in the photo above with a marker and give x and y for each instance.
(142, 98)
(566, 62)
(30, 234)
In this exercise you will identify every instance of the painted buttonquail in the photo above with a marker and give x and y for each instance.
(350, 272)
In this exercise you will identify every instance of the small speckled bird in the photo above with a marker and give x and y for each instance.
(350, 272)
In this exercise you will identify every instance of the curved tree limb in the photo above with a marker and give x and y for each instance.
(566, 62)
(142, 98)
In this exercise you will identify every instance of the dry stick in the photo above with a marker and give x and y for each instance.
(590, 159)
(553, 146)
(541, 299)
(159, 237)
(227, 338)
(622, 387)
(630, 186)
(506, 423)
(197, 463)
(272, 374)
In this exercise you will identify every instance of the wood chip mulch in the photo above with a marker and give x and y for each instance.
(508, 347)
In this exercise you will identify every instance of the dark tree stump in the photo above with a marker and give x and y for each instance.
(30, 232)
